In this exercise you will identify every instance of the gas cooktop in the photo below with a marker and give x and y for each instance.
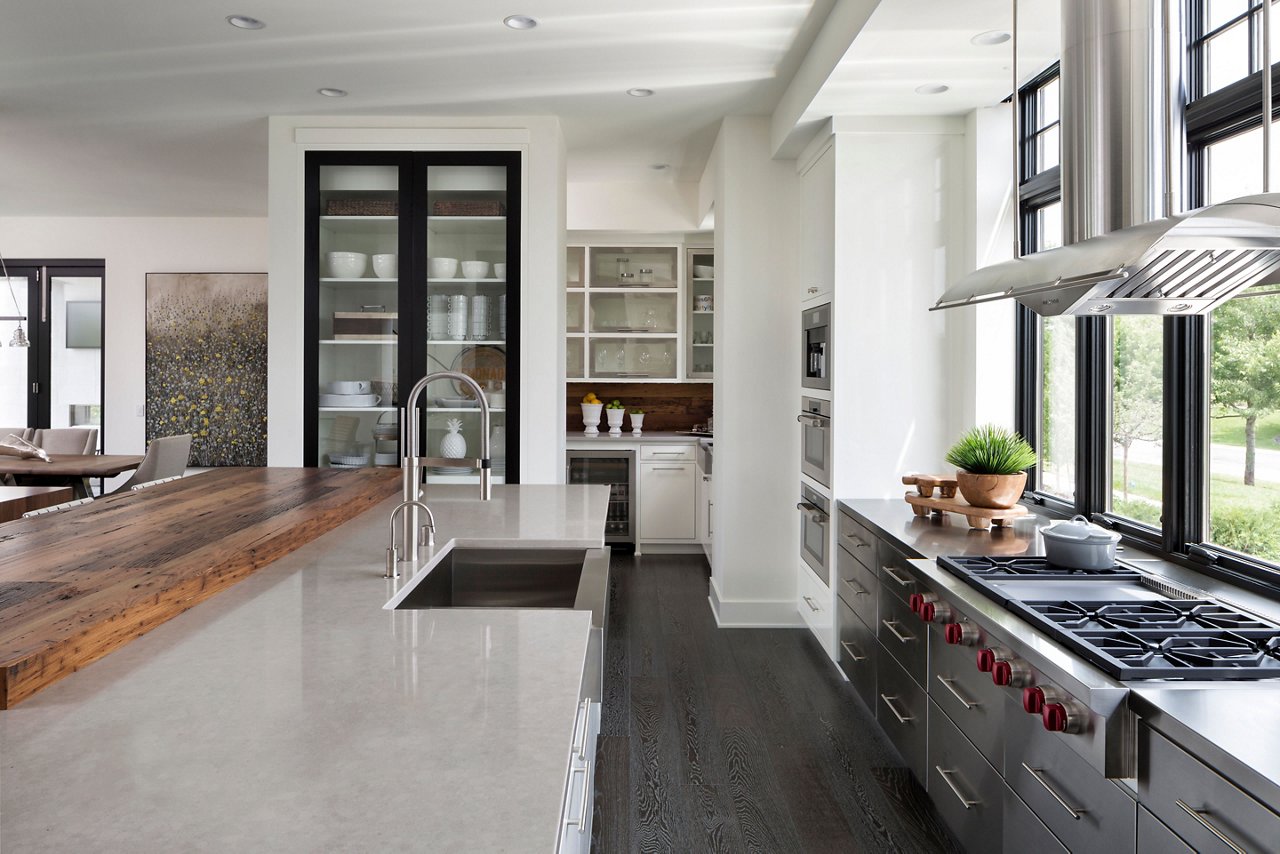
(1125, 623)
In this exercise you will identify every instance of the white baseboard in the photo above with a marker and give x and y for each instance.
(753, 613)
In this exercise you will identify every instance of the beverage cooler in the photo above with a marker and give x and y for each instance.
(413, 267)
(617, 470)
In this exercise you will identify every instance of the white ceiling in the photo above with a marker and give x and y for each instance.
(158, 108)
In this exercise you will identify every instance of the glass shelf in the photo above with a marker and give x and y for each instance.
(633, 358)
(632, 267)
(633, 313)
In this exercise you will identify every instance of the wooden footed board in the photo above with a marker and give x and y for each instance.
(978, 517)
(925, 484)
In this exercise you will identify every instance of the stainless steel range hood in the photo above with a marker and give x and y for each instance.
(1185, 264)
(1121, 149)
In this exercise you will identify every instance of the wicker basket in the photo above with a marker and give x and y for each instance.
(468, 207)
(362, 207)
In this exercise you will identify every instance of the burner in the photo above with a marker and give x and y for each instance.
(1021, 566)
(1158, 650)
(1157, 614)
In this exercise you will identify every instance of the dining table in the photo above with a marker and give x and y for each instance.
(72, 470)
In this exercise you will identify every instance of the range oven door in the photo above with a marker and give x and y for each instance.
(814, 519)
(815, 439)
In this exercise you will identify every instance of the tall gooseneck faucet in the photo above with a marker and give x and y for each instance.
(412, 464)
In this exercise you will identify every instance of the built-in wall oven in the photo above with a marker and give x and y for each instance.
(617, 470)
(815, 516)
(815, 439)
(815, 327)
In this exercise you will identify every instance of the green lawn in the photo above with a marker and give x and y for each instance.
(1230, 431)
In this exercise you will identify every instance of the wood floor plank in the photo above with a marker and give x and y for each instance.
(714, 825)
(656, 817)
(611, 819)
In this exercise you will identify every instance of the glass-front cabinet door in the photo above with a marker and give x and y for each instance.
(413, 268)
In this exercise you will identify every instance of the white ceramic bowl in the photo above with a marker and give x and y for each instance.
(475, 269)
(701, 271)
(348, 387)
(384, 266)
(442, 268)
(500, 270)
(347, 265)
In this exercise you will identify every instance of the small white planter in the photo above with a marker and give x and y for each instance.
(615, 417)
(637, 423)
(591, 418)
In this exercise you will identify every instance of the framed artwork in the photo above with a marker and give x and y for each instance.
(206, 364)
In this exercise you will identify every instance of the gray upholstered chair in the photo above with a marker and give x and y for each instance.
(67, 440)
(20, 432)
(166, 457)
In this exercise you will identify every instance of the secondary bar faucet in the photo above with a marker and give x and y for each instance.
(412, 464)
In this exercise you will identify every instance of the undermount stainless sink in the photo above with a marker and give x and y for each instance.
(513, 578)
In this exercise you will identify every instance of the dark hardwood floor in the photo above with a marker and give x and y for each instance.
(737, 740)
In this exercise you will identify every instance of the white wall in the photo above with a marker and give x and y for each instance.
(133, 247)
(757, 340)
(633, 206)
(542, 434)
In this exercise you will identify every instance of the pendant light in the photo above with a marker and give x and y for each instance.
(19, 338)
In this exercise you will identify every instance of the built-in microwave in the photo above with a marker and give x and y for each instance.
(815, 326)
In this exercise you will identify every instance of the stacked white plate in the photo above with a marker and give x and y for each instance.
(480, 317)
(438, 317)
(458, 317)
(355, 400)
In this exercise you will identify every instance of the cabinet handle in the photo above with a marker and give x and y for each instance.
(813, 290)
(891, 626)
(946, 683)
(581, 748)
(809, 602)
(888, 701)
(667, 468)
(1207, 825)
(893, 573)
(666, 453)
(858, 541)
(1038, 775)
(946, 778)
(581, 820)
(857, 589)
(849, 649)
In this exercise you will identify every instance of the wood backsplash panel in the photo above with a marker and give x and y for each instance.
(667, 406)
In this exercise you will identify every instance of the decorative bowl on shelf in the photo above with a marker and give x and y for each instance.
(591, 418)
(475, 269)
(701, 271)
(385, 266)
(347, 265)
(442, 268)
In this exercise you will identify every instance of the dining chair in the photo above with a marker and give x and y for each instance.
(68, 440)
(22, 433)
(166, 457)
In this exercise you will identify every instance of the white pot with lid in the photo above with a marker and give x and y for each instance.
(1079, 544)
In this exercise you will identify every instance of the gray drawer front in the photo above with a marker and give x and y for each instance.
(1024, 832)
(1082, 808)
(896, 574)
(1155, 838)
(904, 634)
(858, 586)
(973, 702)
(897, 695)
(858, 540)
(1168, 775)
(966, 790)
(858, 654)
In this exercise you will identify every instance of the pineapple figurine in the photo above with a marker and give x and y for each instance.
(454, 444)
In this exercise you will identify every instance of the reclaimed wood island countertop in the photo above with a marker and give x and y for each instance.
(78, 584)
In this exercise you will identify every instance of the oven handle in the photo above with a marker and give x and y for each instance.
(815, 421)
(816, 514)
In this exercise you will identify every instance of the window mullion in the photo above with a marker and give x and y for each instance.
(1093, 407)
(1186, 373)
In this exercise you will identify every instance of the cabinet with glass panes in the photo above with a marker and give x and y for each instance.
(412, 268)
(700, 303)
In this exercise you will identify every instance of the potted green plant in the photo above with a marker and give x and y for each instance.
(991, 465)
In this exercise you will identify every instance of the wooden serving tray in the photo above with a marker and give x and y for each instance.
(925, 484)
(978, 517)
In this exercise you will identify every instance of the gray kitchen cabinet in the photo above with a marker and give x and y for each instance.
(1155, 838)
(967, 791)
(1022, 831)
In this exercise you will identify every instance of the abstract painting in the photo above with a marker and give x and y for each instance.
(207, 364)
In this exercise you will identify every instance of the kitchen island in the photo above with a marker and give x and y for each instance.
(292, 713)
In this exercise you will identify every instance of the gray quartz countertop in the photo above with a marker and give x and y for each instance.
(292, 713)
(1229, 725)
(577, 441)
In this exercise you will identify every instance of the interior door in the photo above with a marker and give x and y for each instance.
(51, 372)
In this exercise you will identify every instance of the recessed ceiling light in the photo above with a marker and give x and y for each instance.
(932, 89)
(639, 93)
(990, 38)
(244, 22)
(520, 22)
(330, 92)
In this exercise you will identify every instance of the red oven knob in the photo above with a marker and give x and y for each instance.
(935, 611)
(1033, 700)
(915, 600)
(1001, 673)
(1062, 717)
(1010, 672)
(960, 633)
(986, 659)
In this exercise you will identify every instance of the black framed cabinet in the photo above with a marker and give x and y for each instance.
(412, 267)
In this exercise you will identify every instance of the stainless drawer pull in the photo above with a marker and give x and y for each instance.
(852, 653)
(581, 748)
(888, 701)
(809, 602)
(666, 453)
(1039, 778)
(581, 820)
(1207, 825)
(893, 573)
(857, 589)
(946, 683)
(858, 541)
(946, 778)
(891, 625)
(668, 468)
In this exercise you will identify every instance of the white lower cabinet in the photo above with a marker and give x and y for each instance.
(668, 501)
(575, 829)
(705, 504)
